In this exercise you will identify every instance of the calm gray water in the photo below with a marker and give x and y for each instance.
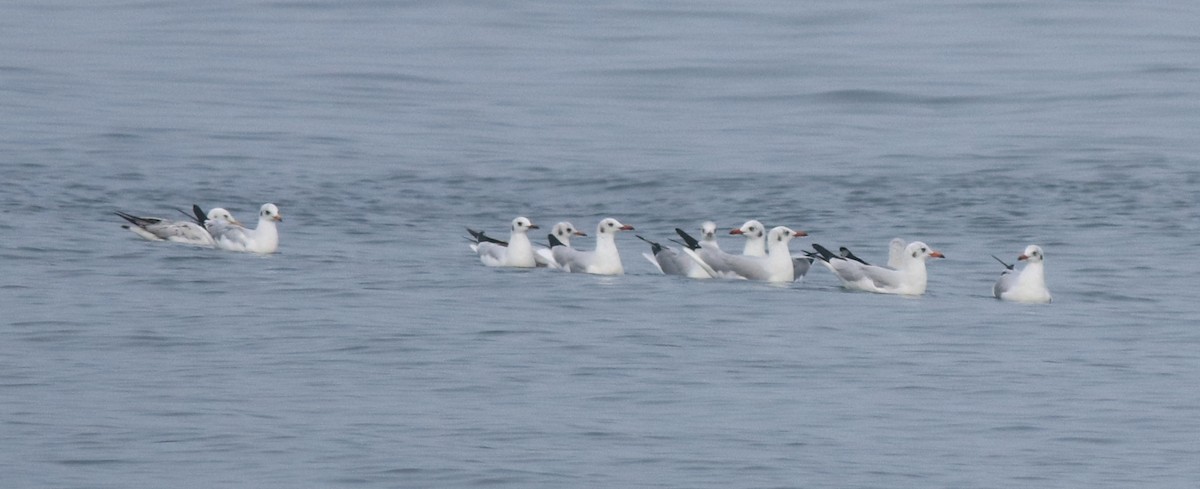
(375, 351)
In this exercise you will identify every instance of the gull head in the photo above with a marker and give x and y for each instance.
(1032, 254)
(920, 251)
(709, 230)
(610, 226)
(783, 234)
(565, 230)
(522, 224)
(751, 229)
(220, 214)
(269, 212)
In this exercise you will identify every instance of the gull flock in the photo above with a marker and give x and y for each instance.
(215, 229)
(766, 257)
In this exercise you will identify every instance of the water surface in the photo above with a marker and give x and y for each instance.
(374, 350)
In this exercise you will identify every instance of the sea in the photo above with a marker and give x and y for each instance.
(375, 350)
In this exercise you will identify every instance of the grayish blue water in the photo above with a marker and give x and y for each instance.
(375, 351)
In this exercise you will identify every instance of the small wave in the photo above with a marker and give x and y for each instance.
(883, 97)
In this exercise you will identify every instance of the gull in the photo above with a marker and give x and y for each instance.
(604, 260)
(263, 239)
(755, 233)
(710, 252)
(708, 235)
(908, 278)
(516, 252)
(186, 232)
(563, 232)
(670, 262)
(703, 254)
(1027, 285)
(777, 266)
(756, 246)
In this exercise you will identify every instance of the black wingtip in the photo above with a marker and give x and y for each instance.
(655, 248)
(190, 216)
(201, 216)
(849, 255)
(481, 237)
(554, 241)
(475, 235)
(1010, 267)
(689, 241)
(823, 254)
(135, 220)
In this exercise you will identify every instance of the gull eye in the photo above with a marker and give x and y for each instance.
(611, 224)
(752, 229)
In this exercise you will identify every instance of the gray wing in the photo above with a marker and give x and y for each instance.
(800, 266)
(748, 267)
(175, 231)
(571, 259)
(491, 254)
(698, 260)
(544, 258)
(228, 236)
(181, 232)
(855, 272)
(883, 278)
(1005, 283)
(154, 228)
(672, 262)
